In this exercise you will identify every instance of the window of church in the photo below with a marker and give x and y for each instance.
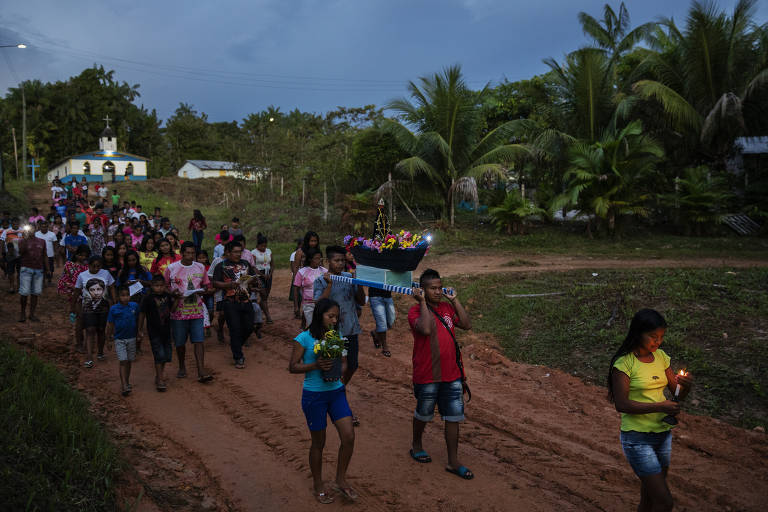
(129, 170)
(87, 168)
(108, 167)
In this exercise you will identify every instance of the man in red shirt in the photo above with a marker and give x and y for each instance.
(34, 265)
(437, 376)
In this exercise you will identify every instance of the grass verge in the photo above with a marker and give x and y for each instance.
(53, 454)
(718, 326)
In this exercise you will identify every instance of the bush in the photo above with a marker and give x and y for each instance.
(53, 454)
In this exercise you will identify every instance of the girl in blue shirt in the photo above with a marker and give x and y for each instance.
(320, 399)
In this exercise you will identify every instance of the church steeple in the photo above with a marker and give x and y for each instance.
(108, 141)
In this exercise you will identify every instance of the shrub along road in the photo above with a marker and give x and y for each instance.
(536, 438)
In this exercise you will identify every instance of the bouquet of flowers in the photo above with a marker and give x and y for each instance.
(399, 253)
(332, 346)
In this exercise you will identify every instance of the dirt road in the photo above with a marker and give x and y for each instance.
(536, 438)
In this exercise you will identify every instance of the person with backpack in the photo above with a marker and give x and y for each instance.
(438, 371)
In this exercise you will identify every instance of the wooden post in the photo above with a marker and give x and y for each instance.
(325, 201)
(282, 182)
(391, 203)
(303, 182)
(15, 151)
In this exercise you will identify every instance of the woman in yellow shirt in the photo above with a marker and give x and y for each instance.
(638, 374)
(147, 252)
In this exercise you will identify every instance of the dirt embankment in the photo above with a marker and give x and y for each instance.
(536, 438)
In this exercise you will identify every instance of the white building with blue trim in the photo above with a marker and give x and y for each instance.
(106, 165)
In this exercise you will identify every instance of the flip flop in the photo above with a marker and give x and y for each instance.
(422, 456)
(347, 492)
(461, 471)
(355, 421)
(161, 388)
(181, 374)
(323, 497)
(386, 353)
(205, 378)
(126, 392)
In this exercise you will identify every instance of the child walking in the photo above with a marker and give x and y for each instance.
(304, 282)
(122, 329)
(92, 286)
(156, 309)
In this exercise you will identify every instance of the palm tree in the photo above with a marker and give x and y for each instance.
(446, 144)
(708, 76)
(607, 178)
(699, 198)
(610, 33)
(511, 214)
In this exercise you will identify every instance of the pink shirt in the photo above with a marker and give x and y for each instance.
(181, 278)
(248, 256)
(305, 279)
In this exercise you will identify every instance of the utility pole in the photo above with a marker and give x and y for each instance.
(23, 131)
(15, 151)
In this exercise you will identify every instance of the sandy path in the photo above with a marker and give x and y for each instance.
(536, 438)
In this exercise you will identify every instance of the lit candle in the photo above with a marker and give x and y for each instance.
(677, 389)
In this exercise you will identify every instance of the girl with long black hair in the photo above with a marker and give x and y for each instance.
(321, 399)
(638, 373)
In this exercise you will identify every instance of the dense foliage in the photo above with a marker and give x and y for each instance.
(613, 130)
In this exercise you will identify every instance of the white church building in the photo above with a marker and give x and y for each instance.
(105, 165)
(195, 169)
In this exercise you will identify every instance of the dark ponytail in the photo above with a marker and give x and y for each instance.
(644, 321)
(260, 239)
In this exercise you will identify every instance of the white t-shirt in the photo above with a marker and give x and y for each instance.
(262, 260)
(219, 293)
(95, 290)
(103, 192)
(56, 192)
(293, 256)
(50, 239)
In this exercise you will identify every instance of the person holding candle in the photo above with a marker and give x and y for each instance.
(638, 373)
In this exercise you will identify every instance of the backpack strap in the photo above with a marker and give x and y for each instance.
(459, 363)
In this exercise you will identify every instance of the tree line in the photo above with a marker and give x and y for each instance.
(641, 123)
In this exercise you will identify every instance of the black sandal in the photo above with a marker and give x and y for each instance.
(386, 353)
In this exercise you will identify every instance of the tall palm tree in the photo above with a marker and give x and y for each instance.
(446, 142)
(707, 76)
(607, 177)
(612, 33)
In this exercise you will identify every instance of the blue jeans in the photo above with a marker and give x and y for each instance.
(647, 452)
(181, 329)
(383, 309)
(447, 395)
(197, 239)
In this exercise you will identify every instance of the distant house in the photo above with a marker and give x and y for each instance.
(105, 165)
(194, 169)
(752, 145)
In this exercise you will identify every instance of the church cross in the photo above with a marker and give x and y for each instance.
(107, 120)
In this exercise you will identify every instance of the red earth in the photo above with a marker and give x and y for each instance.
(536, 438)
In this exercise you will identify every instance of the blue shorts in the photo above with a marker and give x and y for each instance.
(647, 452)
(180, 329)
(319, 404)
(449, 397)
(162, 349)
(383, 309)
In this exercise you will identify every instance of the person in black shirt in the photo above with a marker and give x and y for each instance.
(156, 308)
(231, 276)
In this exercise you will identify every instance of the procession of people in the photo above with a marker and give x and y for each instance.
(127, 276)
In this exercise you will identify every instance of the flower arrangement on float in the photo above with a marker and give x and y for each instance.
(399, 252)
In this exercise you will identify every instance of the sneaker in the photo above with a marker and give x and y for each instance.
(88, 364)
(240, 363)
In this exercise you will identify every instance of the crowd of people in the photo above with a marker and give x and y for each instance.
(126, 273)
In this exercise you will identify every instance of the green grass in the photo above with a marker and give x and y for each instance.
(53, 454)
(718, 327)
(15, 199)
(570, 240)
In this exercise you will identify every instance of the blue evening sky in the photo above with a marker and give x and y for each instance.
(230, 58)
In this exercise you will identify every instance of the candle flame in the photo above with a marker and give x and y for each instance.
(683, 373)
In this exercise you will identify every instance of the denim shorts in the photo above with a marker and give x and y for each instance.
(447, 395)
(383, 309)
(162, 349)
(317, 405)
(125, 349)
(647, 452)
(193, 328)
(30, 281)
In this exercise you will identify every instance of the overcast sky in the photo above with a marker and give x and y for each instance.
(231, 58)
